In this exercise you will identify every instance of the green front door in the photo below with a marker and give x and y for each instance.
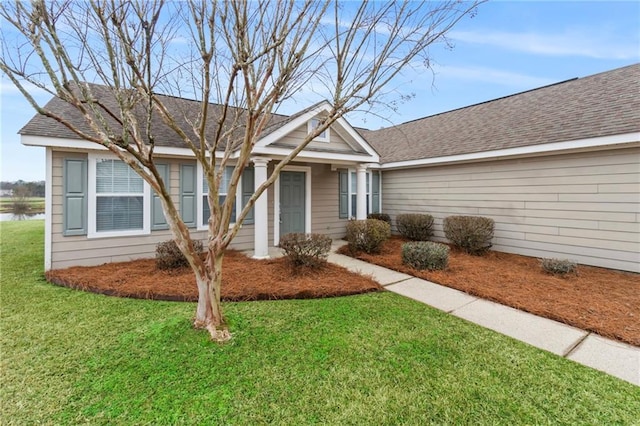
(292, 201)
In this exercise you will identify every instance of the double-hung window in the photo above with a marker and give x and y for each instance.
(243, 193)
(222, 195)
(348, 202)
(119, 200)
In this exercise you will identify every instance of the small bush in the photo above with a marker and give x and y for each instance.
(169, 256)
(473, 234)
(425, 255)
(308, 250)
(380, 216)
(367, 235)
(558, 266)
(416, 227)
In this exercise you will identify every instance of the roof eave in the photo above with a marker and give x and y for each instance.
(613, 141)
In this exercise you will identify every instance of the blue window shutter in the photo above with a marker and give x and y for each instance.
(188, 194)
(158, 221)
(74, 207)
(247, 192)
(375, 192)
(344, 195)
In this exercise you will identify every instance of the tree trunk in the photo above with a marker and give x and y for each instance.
(209, 310)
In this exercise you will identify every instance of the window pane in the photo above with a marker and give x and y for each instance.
(119, 213)
(224, 185)
(115, 176)
(206, 211)
(226, 180)
(353, 205)
(120, 177)
(104, 176)
(354, 183)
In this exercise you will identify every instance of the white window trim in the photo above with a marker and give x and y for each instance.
(200, 195)
(92, 232)
(322, 137)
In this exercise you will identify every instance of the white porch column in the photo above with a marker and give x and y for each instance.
(361, 192)
(260, 210)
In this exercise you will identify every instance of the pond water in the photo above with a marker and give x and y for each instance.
(11, 216)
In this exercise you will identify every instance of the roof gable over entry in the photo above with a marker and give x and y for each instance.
(342, 140)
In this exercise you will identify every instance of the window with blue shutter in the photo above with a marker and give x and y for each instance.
(348, 202)
(246, 189)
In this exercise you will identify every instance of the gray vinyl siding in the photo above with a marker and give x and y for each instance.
(336, 142)
(69, 251)
(325, 202)
(581, 206)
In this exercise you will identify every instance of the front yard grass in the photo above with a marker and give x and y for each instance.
(70, 357)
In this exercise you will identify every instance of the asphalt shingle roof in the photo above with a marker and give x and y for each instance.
(599, 105)
(184, 110)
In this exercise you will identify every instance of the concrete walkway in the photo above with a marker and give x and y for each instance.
(612, 357)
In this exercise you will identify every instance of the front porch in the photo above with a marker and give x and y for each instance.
(310, 197)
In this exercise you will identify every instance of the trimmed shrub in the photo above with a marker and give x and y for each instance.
(169, 256)
(380, 216)
(309, 250)
(472, 234)
(425, 255)
(416, 227)
(558, 266)
(367, 235)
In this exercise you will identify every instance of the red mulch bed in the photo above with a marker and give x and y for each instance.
(243, 279)
(604, 301)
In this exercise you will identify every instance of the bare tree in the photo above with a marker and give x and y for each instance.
(115, 61)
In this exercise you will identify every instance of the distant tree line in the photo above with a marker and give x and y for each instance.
(28, 189)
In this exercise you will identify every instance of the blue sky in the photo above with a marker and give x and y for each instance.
(507, 48)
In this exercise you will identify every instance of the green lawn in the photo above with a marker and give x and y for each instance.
(70, 357)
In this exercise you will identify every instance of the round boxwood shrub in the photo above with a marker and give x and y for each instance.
(367, 235)
(425, 255)
(472, 234)
(558, 266)
(169, 256)
(309, 250)
(414, 226)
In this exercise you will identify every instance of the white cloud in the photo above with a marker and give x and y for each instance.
(590, 44)
(492, 76)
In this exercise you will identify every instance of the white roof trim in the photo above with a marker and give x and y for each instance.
(304, 118)
(46, 141)
(359, 139)
(603, 141)
(328, 156)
